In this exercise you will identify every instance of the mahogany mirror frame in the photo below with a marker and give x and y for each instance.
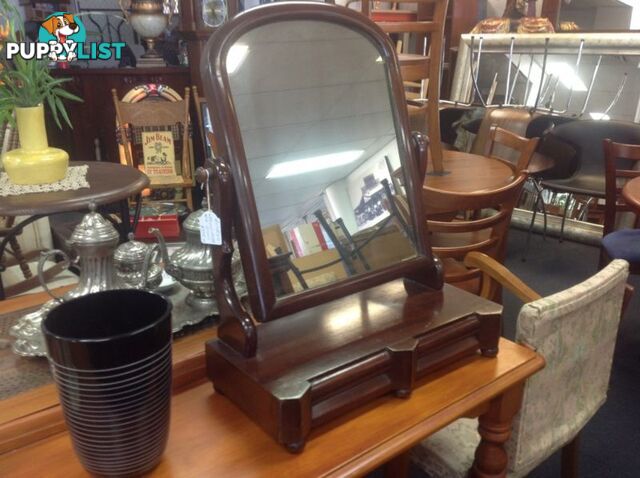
(423, 270)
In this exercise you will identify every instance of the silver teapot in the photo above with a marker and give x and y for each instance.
(192, 265)
(136, 265)
(93, 242)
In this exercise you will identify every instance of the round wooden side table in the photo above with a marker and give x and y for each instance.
(467, 172)
(109, 183)
(631, 193)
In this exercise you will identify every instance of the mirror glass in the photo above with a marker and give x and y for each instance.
(313, 105)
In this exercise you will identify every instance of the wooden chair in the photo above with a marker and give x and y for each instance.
(620, 162)
(575, 331)
(422, 65)
(344, 244)
(510, 148)
(157, 115)
(452, 240)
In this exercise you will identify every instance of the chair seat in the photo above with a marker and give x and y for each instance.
(588, 185)
(448, 453)
(623, 244)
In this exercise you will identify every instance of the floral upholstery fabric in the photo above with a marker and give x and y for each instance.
(575, 331)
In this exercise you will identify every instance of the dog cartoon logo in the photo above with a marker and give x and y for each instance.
(64, 31)
(63, 38)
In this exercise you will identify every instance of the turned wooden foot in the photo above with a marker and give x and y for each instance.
(495, 428)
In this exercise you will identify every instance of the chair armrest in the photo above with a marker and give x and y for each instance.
(493, 270)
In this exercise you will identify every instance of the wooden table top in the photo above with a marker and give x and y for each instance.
(211, 437)
(631, 193)
(109, 183)
(466, 172)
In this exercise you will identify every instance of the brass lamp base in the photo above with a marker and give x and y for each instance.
(150, 62)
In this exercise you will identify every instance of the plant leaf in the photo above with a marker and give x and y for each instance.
(54, 111)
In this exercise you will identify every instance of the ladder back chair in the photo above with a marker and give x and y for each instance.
(135, 120)
(621, 161)
(510, 148)
(452, 240)
(421, 62)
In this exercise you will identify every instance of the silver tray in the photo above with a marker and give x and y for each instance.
(183, 315)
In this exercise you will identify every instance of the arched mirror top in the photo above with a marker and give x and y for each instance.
(308, 106)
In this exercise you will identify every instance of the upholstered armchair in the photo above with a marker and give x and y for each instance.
(575, 331)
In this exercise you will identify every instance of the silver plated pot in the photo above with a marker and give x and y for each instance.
(192, 265)
(93, 242)
(136, 265)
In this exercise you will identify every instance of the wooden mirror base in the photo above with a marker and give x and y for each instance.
(319, 363)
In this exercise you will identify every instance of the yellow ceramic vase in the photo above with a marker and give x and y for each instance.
(34, 162)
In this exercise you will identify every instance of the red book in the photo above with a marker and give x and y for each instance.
(321, 241)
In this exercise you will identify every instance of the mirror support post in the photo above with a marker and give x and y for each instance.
(236, 328)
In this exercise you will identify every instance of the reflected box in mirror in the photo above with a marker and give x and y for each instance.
(318, 175)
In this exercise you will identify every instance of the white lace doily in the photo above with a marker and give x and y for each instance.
(76, 178)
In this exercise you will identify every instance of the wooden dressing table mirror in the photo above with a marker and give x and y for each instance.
(310, 115)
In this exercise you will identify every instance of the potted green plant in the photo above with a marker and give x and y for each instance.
(25, 87)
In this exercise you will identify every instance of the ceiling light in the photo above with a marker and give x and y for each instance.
(236, 56)
(315, 163)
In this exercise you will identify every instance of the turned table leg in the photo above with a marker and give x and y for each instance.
(398, 466)
(495, 429)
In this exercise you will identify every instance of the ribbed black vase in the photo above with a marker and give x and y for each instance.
(110, 355)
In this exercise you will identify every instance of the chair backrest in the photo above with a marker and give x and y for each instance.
(133, 119)
(621, 164)
(507, 146)
(513, 119)
(575, 331)
(420, 63)
(586, 137)
(454, 239)
(522, 122)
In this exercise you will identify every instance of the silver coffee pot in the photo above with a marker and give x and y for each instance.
(93, 242)
(136, 265)
(192, 265)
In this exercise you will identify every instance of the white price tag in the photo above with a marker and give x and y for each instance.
(210, 231)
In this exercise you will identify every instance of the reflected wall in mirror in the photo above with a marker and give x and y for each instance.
(313, 105)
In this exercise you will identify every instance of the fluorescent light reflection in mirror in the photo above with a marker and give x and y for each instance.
(236, 56)
(314, 163)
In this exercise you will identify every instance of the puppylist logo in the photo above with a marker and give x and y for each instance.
(62, 37)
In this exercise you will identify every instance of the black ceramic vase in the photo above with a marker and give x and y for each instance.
(110, 356)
